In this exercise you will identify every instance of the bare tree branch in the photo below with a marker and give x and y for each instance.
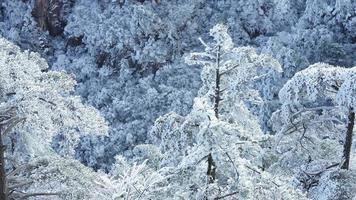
(222, 197)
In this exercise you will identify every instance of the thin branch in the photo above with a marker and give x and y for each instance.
(229, 70)
(222, 197)
(18, 169)
(230, 159)
(205, 157)
(13, 161)
(203, 43)
(320, 172)
(302, 137)
(20, 185)
(248, 167)
(50, 102)
(14, 122)
(315, 109)
(26, 196)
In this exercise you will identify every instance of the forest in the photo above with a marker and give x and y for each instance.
(177, 99)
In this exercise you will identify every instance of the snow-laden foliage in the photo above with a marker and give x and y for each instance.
(61, 179)
(137, 181)
(242, 74)
(114, 47)
(208, 155)
(335, 185)
(127, 57)
(311, 124)
(43, 99)
(43, 107)
(236, 149)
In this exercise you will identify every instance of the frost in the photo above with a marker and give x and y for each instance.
(43, 99)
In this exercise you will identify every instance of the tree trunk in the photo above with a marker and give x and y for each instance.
(348, 139)
(217, 97)
(211, 172)
(3, 184)
(217, 94)
(211, 169)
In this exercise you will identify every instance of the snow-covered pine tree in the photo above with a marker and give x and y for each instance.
(36, 105)
(315, 123)
(217, 150)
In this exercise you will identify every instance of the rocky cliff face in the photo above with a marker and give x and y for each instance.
(48, 15)
(1, 11)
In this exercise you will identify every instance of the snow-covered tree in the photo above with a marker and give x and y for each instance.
(38, 106)
(315, 121)
(232, 71)
(58, 178)
(136, 181)
(44, 99)
(111, 45)
(238, 162)
(233, 74)
(127, 60)
(217, 150)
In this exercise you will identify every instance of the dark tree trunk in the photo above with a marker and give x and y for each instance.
(3, 184)
(348, 139)
(211, 169)
(217, 96)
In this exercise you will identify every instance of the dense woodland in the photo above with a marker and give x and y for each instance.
(177, 99)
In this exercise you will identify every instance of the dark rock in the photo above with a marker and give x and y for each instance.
(75, 41)
(47, 14)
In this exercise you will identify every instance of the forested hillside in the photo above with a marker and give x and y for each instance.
(177, 99)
